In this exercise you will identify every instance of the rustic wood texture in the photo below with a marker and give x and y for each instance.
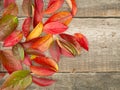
(104, 41)
(82, 81)
(98, 69)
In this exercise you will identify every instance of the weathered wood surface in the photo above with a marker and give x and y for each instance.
(89, 8)
(82, 81)
(104, 41)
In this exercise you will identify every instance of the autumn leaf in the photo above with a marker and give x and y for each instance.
(38, 12)
(71, 39)
(53, 6)
(18, 51)
(26, 26)
(12, 9)
(55, 51)
(26, 6)
(13, 38)
(35, 32)
(73, 6)
(43, 43)
(82, 40)
(8, 24)
(62, 17)
(45, 61)
(8, 2)
(42, 71)
(27, 60)
(54, 28)
(19, 79)
(43, 81)
(9, 61)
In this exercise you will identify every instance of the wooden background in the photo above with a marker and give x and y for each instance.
(98, 69)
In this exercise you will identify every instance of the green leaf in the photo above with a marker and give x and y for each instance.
(19, 79)
(8, 24)
(18, 51)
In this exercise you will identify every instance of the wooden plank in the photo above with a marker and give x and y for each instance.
(82, 81)
(89, 8)
(104, 41)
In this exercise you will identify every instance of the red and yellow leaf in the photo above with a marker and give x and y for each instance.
(45, 61)
(53, 6)
(27, 60)
(12, 9)
(8, 2)
(72, 40)
(55, 51)
(63, 17)
(73, 6)
(26, 26)
(82, 40)
(9, 61)
(43, 43)
(42, 71)
(43, 81)
(8, 24)
(13, 38)
(38, 12)
(54, 28)
(35, 32)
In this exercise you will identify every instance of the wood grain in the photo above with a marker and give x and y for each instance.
(104, 41)
(81, 81)
(88, 8)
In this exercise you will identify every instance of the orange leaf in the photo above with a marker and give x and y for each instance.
(45, 61)
(43, 81)
(11, 9)
(43, 43)
(13, 38)
(55, 28)
(26, 26)
(9, 61)
(42, 71)
(63, 17)
(82, 40)
(35, 32)
(73, 6)
(55, 51)
(53, 6)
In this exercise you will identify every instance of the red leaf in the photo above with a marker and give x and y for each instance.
(38, 12)
(42, 71)
(7, 2)
(26, 26)
(53, 6)
(72, 40)
(9, 61)
(73, 6)
(27, 60)
(43, 81)
(82, 40)
(45, 61)
(13, 38)
(55, 28)
(43, 43)
(55, 51)
(63, 17)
